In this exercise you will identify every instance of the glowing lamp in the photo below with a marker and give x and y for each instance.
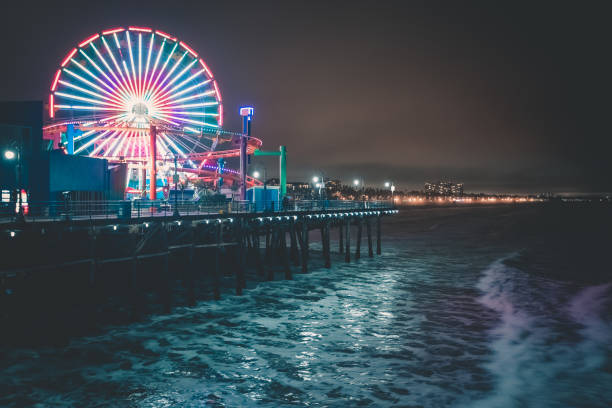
(356, 182)
(9, 154)
(256, 174)
(247, 111)
(315, 179)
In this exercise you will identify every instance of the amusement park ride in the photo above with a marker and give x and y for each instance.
(140, 96)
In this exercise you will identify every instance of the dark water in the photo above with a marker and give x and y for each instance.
(471, 307)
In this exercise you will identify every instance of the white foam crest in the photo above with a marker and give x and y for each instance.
(586, 308)
(527, 360)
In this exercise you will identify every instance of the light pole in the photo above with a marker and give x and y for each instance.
(10, 155)
(390, 185)
(357, 182)
(319, 182)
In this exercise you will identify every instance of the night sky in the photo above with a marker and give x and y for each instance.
(509, 98)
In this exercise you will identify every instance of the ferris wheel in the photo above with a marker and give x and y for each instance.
(140, 96)
(118, 83)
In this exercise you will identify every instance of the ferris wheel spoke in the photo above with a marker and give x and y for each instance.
(159, 54)
(85, 99)
(148, 61)
(169, 100)
(163, 68)
(110, 52)
(167, 94)
(104, 142)
(118, 84)
(89, 83)
(176, 77)
(111, 91)
(176, 64)
(114, 88)
(140, 64)
(90, 142)
(129, 42)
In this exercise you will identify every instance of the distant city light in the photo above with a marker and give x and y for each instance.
(315, 179)
(356, 182)
(387, 184)
(9, 154)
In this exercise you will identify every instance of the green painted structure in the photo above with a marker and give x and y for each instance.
(282, 153)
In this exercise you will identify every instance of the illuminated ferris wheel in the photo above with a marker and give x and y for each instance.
(118, 83)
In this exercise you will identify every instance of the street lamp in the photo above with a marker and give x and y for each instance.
(390, 185)
(319, 182)
(10, 155)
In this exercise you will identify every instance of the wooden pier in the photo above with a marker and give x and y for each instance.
(146, 265)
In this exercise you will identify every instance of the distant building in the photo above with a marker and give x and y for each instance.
(445, 188)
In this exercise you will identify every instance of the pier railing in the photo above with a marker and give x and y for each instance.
(94, 210)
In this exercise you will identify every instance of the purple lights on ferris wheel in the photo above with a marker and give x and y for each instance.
(123, 81)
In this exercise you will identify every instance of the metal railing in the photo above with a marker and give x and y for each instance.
(123, 210)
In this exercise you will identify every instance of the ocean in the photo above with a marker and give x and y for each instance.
(483, 306)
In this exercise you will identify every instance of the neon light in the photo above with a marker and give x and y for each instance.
(114, 30)
(210, 75)
(145, 29)
(148, 60)
(51, 107)
(70, 55)
(113, 89)
(185, 46)
(165, 35)
(118, 82)
(220, 119)
(140, 64)
(90, 39)
(217, 91)
(117, 42)
(57, 75)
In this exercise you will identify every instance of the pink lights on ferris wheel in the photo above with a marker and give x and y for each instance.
(127, 81)
(114, 30)
(87, 41)
(68, 57)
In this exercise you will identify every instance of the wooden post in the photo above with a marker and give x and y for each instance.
(217, 271)
(270, 246)
(369, 231)
(166, 280)
(378, 246)
(358, 243)
(326, 245)
(258, 261)
(347, 231)
(295, 256)
(191, 298)
(268, 243)
(284, 256)
(340, 235)
(304, 245)
(135, 295)
(241, 263)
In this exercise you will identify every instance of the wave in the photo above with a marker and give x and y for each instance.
(546, 351)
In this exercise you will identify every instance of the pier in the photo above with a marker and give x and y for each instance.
(150, 262)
